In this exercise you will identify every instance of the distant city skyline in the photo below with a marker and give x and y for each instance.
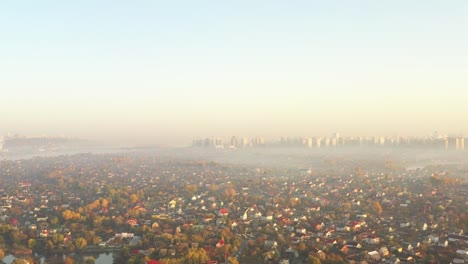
(156, 72)
(332, 139)
(434, 140)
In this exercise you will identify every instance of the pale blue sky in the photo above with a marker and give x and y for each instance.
(167, 71)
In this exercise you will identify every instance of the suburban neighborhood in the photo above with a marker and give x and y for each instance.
(148, 209)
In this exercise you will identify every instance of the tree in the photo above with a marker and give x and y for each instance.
(50, 245)
(232, 260)
(31, 243)
(137, 259)
(347, 206)
(90, 260)
(229, 193)
(191, 189)
(122, 256)
(313, 260)
(54, 220)
(57, 238)
(104, 202)
(377, 207)
(80, 243)
(196, 256)
(70, 215)
(134, 198)
(94, 205)
(334, 259)
(69, 260)
(19, 261)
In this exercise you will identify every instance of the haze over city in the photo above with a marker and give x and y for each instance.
(164, 72)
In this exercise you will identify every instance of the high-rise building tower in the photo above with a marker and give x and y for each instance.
(234, 143)
(460, 143)
(218, 143)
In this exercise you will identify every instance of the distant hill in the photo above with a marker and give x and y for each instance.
(21, 143)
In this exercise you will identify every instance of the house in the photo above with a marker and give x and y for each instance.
(405, 258)
(329, 233)
(132, 222)
(404, 224)
(41, 218)
(373, 255)
(134, 240)
(44, 233)
(223, 212)
(168, 231)
(271, 244)
(163, 252)
(21, 261)
(353, 244)
(355, 225)
(318, 253)
(221, 221)
(301, 230)
(444, 244)
(409, 247)
(317, 226)
(432, 239)
(292, 252)
(343, 229)
(397, 249)
(393, 260)
(234, 224)
(383, 251)
(125, 235)
(372, 240)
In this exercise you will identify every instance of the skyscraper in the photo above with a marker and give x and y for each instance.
(460, 143)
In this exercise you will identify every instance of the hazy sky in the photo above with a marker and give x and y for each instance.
(168, 71)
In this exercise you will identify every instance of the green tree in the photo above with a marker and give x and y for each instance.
(57, 238)
(90, 260)
(137, 259)
(122, 256)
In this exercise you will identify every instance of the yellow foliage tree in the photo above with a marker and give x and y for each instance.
(70, 215)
